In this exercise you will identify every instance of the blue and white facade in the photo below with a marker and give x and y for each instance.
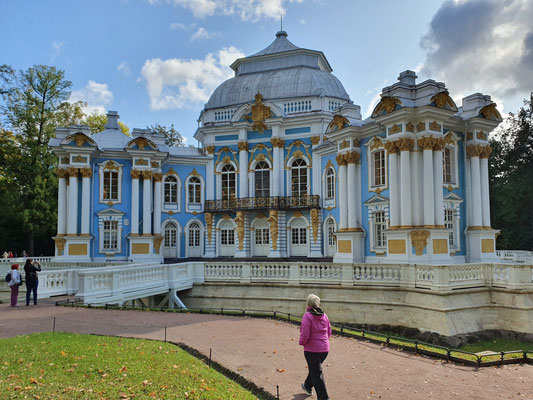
(287, 168)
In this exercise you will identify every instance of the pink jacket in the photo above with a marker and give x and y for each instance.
(315, 331)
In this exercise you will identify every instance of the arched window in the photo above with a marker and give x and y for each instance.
(228, 182)
(330, 183)
(194, 234)
(262, 180)
(171, 190)
(378, 168)
(331, 231)
(194, 188)
(171, 231)
(299, 177)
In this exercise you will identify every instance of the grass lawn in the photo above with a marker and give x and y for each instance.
(71, 366)
(497, 345)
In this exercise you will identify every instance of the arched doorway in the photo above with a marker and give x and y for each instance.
(227, 239)
(261, 238)
(298, 238)
(194, 236)
(170, 245)
(330, 241)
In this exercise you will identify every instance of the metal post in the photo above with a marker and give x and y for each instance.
(165, 333)
(209, 365)
(277, 392)
(54, 329)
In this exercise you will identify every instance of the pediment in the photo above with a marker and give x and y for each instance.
(375, 200)
(110, 212)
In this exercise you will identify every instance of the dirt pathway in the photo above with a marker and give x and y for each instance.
(267, 352)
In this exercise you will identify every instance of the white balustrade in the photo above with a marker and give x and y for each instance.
(270, 272)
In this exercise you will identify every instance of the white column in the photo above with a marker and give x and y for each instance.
(428, 191)
(135, 175)
(405, 196)
(485, 199)
(416, 210)
(72, 221)
(343, 193)
(157, 203)
(477, 219)
(277, 170)
(243, 169)
(358, 193)
(437, 184)
(85, 200)
(147, 215)
(210, 175)
(62, 202)
(394, 202)
(352, 211)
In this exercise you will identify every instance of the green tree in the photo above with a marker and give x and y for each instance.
(30, 107)
(172, 136)
(511, 180)
(97, 123)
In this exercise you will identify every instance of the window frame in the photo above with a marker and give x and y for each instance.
(302, 182)
(114, 169)
(194, 206)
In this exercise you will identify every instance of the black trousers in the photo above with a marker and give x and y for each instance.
(315, 377)
(31, 286)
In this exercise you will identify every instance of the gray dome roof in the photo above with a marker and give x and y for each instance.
(277, 84)
(281, 70)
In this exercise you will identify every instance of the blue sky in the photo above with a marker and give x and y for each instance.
(158, 60)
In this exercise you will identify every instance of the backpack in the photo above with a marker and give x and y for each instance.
(8, 277)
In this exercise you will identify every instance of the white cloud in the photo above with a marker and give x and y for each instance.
(124, 68)
(203, 34)
(245, 9)
(178, 83)
(97, 96)
(482, 46)
(56, 46)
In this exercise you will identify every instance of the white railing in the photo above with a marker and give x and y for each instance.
(22, 260)
(515, 256)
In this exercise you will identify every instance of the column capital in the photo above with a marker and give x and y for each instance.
(158, 177)
(135, 174)
(485, 153)
(86, 172)
(277, 142)
(392, 147)
(315, 140)
(147, 174)
(243, 146)
(341, 161)
(61, 173)
(405, 144)
(474, 150)
(72, 172)
(352, 158)
(439, 144)
(210, 149)
(427, 142)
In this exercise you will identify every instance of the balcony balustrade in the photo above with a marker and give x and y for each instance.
(263, 203)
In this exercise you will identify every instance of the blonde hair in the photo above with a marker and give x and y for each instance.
(313, 301)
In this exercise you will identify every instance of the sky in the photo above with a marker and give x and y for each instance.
(158, 61)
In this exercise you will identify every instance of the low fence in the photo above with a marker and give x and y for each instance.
(401, 343)
(515, 256)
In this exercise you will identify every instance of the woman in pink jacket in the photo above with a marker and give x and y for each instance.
(315, 332)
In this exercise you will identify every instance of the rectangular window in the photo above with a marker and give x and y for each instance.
(303, 235)
(227, 237)
(380, 225)
(261, 236)
(449, 223)
(110, 233)
(447, 165)
(331, 236)
(110, 185)
(379, 168)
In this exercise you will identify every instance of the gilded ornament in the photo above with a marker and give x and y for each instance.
(330, 165)
(147, 174)
(79, 159)
(395, 129)
(406, 144)
(260, 113)
(337, 123)
(154, 164)
(410, 127)
(260, 214)
(435, 126)
(242, 146)
(419, 239)
(474, 150)
(171, 172)
(260, 157)
(487, 246)
(141, 161)
(273, 221)
(86, 172)
(449, 188)
(378, 190)
(386, 105)
(277, 142)
(352, 158)
(298, 154)
(135, 174)
(239, 220)
(491, 112)
(226, 160)
(314, 222)
(376, 143)
(396, 246)
(427, 143)
(469, 136)
(210, 149)
(60, 244)
(226, 217)
(341, 162)
(73, 172)
(439, 144)
(194, 172)
(420, 126)
(158, 239)
(315, 140)
(392, 147)
(80, 139)
(171, 212)
(61, 173)
(297, 214)
(449, 139)
(65, 160)
(344, 145)
(443, 100)
(485, 152)
(142, 143)
(110, 165)
(109, 203)
(158, 177)
(209, 224)
(481, 135)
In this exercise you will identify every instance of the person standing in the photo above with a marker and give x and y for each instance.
(31, 268)
(14, 284)
(315, 332)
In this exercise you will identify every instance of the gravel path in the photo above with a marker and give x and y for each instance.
(267, 352)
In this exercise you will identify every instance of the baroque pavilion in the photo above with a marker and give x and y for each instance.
(287, 168)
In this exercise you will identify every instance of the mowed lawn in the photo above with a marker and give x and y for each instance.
(72, 366)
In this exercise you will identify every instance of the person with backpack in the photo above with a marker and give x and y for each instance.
(31, 268)
(15, 280)
(315, 332)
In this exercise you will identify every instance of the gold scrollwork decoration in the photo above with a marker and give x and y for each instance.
(419, 239)
(420, 126)
(260, 113)
(158, 239)
(444, 101)
(273, 221)
(491, 112)
(314, 222)
(210, 149)
(396, 128)
(337, 123)
(209, 224)
(242, 146)
(410, 127)
(315, 140)
(435, 126)
(386, 105)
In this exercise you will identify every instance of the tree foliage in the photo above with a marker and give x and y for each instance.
(74, 114)
(172, 136)
(511, 181)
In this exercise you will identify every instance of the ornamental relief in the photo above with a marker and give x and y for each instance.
(376, 143)
(209, 224)
(239, 220)
(386, 106)
(298, 146)
(314, 222)
(419, 239)
(444, 101)
(273, 221)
